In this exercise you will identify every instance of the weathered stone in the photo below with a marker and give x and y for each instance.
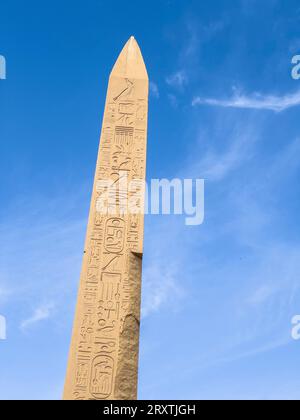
(103, 360)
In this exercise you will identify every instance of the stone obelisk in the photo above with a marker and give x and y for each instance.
(103, 359)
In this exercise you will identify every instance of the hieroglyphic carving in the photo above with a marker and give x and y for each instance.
(114, 235)
(111, 110)
(96, 366)
(141, 110)
(126, 114)
(127, 92)
(124, 136)
(102, 376)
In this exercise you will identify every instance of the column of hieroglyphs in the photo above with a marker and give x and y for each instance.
(103, 359)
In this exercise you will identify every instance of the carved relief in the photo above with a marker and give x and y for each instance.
(133, 231)
(109, 286)
(105, 345)
(124, 136)
(126, 108)
(139, 138)
(114, 235)
(111, 111)
(127, 92)
(82, 374)
(95, 256)
(102, 377)
(120, 159)
(141, 112)
(112, 263)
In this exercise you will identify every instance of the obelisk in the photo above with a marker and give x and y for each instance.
(103, 359)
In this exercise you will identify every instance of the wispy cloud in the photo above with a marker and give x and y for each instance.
(281, 341)
(256, 101)
(48, 244)
(215, 165)
(160, 289)
(41, 313)
(261, 294)
(197, 35)
(268, 288)
(177, 80)
(154, 91)
(173, 100)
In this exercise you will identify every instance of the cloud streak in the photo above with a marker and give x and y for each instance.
(178, 79)
(239, 147)
(41, 313)
(256, 101)
(154, 91)
(160, 287)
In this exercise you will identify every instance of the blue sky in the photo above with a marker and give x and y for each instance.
(217, 298)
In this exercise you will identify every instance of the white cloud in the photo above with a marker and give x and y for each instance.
(256, 101)
(2, 327)
(160, 289)
(178, 79)
(154, 91)
(261, 294)
(41, 313)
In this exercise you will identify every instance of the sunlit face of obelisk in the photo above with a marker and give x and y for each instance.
(103, 360)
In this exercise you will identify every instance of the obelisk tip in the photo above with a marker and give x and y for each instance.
(130, 63)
